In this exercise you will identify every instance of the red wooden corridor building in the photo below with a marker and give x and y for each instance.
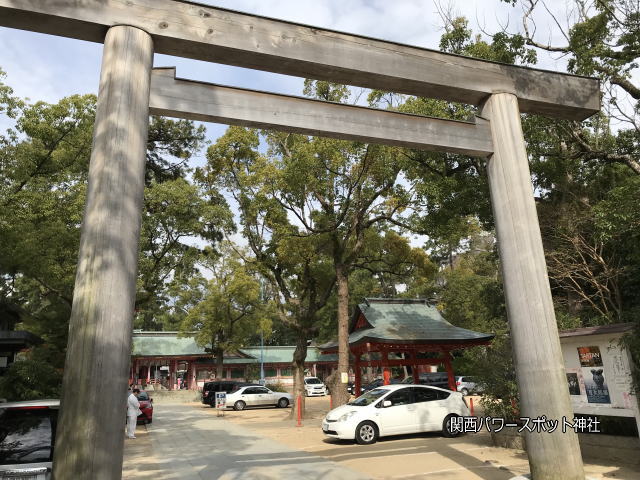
(404, 332)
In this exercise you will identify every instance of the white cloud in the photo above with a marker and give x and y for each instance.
(44, 67)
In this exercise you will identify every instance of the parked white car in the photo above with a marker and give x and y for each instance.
(314, 387)
(255, 396)
(395, 410)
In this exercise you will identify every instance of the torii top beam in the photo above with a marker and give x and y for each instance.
(187, 29)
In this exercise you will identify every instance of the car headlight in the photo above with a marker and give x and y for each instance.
(347, 416)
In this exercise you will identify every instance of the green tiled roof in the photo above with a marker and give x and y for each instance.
(285, 354)
(406, 322)
(168, 344)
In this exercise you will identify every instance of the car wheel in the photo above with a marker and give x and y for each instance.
(447, 430)
(283, 403)
(239, 405)
(464, 391)
(366, 433)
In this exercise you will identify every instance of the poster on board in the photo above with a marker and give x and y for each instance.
(573, 383)
(595, 383)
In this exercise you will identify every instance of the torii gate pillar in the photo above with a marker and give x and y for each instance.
(534, 333)
(89, 443)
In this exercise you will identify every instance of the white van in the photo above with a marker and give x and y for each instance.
(314, 387)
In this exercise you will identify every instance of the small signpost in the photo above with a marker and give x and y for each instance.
(221, 403)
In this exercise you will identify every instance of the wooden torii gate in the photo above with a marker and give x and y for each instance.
(90, 445)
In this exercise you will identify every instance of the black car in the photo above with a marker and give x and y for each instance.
(371, 385)
(210, 388)
(27, 434)
(432, 379)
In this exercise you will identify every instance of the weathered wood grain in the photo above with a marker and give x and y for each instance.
(215, 103)
(193, 30)
(90, 433)
(534, 333)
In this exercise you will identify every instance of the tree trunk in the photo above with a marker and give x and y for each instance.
(339, 389)
(219, 364)
(299, 356)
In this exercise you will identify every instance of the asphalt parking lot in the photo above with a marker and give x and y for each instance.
(189, 441)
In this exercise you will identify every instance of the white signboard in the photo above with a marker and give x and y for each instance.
(221, 399)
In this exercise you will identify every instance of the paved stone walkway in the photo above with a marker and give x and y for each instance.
(191, 444)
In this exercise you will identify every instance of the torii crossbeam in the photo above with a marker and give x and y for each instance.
(90, 445)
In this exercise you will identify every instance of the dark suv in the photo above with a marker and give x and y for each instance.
(432, 379)
(210, 388)
(375, 384)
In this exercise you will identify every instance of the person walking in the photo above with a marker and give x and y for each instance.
(133, 410)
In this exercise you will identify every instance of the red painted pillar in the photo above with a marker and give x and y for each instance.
(450, 376)
(414, 368)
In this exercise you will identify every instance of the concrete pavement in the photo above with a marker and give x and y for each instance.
(188, 441)
(192, 444)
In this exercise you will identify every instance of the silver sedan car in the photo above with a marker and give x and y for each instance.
(255, 396)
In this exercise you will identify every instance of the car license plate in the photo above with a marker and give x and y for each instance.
(325, 427)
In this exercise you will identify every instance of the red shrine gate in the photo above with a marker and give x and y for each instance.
(408, 328)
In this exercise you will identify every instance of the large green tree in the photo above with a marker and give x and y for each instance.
(586, 172)
(299, 277)
(43, 174)
(222, 313)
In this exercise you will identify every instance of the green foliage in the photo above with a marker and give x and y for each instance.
(223, 312)
(30, 380)
(494, 370)
(9, 104)
(170, 140)
(277, 387)
(44, 162)
(503, 48)
(631, 341)
(472, 298)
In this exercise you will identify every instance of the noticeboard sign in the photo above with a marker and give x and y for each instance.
(221, 399)
(595, 383)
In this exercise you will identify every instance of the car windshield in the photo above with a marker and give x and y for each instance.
(143, 397)
(26, 436)
(312, 381)
(369, 397)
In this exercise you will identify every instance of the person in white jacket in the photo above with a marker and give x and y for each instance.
(133, 410)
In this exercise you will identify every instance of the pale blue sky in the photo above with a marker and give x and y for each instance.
(48, 68)
(44, 67)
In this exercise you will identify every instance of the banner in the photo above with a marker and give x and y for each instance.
(595, 383)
